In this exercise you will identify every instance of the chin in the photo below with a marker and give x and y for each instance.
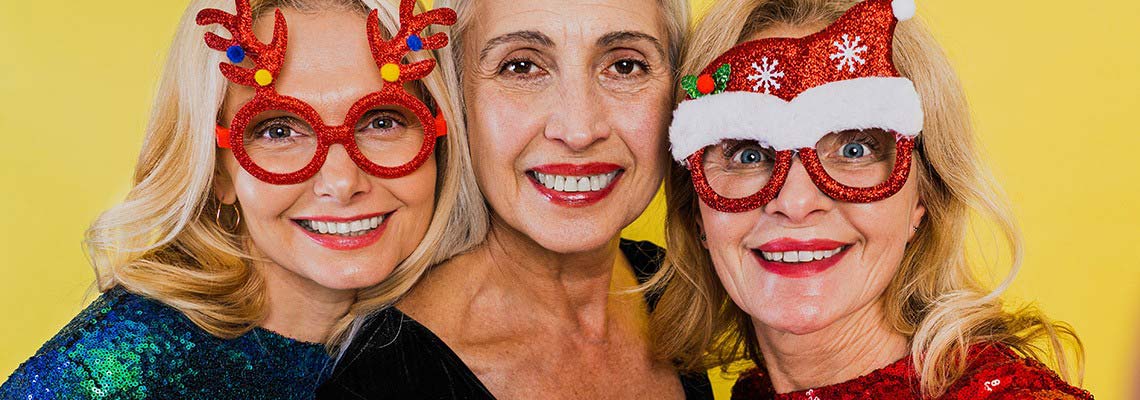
(797, 320)
(350, 277)
(577, 238)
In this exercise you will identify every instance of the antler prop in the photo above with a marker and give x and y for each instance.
(267, 58)
(389, 54)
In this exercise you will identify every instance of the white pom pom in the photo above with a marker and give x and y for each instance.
(904, 9)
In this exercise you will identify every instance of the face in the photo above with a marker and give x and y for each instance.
(568, 103)
(329, 66)
(855, 249)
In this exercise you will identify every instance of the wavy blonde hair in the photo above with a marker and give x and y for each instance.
(935, 298)
(165, 241)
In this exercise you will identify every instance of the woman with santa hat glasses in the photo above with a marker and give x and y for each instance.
(826, 174)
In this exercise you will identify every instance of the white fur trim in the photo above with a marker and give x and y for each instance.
(904, 9)
(862, 103)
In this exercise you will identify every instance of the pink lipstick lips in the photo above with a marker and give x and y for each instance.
(799, 258)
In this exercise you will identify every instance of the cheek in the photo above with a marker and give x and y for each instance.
(501, 127)
(724, 238)
(643, 124)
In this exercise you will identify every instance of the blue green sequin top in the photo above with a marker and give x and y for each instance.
(125, 346)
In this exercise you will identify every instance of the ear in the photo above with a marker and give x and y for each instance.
(224, 187)
(916, 218)
(701, 237)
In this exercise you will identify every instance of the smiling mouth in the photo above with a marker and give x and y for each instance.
(802, 256)
(353, 228)
(575, 183)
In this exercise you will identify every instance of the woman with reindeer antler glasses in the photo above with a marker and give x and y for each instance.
(817, 216)
(269, 211)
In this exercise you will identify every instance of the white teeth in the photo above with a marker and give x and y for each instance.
(576, 183)
(352, 228)
(791, 256)
(571, 185)
(800, 256)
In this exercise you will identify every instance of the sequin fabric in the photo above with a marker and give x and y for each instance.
(125, 346)
(996, 372)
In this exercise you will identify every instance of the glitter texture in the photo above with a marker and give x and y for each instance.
(798, 64)
(125, 346)
(269, 58)
(857, 45)
(995, 372)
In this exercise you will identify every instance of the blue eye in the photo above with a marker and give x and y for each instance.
(854, 150)
(750, 156)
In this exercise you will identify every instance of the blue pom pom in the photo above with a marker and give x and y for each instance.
(415, 43)
(236, 54)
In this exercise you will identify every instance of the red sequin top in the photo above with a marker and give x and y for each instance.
(996, 373)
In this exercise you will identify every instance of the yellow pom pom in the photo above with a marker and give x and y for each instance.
(390, 72)
(263, 77)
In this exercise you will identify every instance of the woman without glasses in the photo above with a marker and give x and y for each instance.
(566, 107)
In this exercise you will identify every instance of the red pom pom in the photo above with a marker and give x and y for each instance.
(705, 84)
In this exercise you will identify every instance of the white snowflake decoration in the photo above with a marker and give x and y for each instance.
(766, 75)
(848, 53)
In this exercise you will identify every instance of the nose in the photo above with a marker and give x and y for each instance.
(799, 200)
(578, 116)
(339, 178)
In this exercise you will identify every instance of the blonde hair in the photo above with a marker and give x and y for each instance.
(935, 298)
(165, 240)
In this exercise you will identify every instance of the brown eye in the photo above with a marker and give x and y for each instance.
(520, 67)
(383, 123)
(628, 67)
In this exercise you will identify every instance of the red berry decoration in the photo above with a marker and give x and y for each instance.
(705, 84)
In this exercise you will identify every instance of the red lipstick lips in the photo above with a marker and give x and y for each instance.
(575, 199)
(799, 269)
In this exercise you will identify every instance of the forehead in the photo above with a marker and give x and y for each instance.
(326, 49)
(568, 20)
(782, 30)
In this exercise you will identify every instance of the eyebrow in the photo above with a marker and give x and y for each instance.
(614, 38)
(532, 37)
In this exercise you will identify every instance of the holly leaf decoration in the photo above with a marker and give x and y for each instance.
(721, 77)
(689, 83)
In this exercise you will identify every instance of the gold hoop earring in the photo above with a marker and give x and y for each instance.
(218, 217)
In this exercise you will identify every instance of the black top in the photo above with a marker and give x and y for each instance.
(395, 357)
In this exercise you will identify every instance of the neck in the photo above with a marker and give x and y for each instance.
(572, 286)
(854, 346)
(299, 308)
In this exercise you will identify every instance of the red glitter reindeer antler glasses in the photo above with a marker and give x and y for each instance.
(282, 140)
(833, 97)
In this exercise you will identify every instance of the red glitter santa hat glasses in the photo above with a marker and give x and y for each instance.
(793, 95)
(375, 136)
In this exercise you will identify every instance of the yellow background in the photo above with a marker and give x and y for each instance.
(1053, 87)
